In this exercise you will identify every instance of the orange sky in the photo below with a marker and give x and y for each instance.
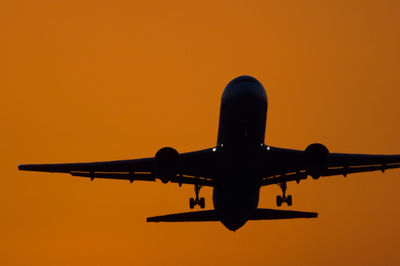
(105, 80)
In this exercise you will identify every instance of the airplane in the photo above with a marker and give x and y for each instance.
(236, 168)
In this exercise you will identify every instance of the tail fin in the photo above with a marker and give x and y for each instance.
(211, 216)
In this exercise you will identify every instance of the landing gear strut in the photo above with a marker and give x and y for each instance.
(280, 199)
(197, 201)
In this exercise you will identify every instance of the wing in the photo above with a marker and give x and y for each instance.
(284, 165)
(195, 168)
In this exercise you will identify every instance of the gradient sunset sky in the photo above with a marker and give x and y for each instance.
(105, 80)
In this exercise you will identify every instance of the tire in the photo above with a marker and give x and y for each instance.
(278, 200)
(202, 203)
(191, 203)
(289, 200)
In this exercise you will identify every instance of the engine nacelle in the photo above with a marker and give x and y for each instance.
(316, 156)
(166, 164)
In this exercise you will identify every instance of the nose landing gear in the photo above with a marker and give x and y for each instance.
(197, 201)
(281, 199)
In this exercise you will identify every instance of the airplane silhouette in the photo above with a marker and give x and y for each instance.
(237, 167)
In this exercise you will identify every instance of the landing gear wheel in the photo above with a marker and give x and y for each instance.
(278, 200)
(202, 203)
(289, 200)
(197, 201)
(191, 203)
(281, 199)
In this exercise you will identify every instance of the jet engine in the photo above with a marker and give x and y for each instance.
(166, 164)
(316, 159)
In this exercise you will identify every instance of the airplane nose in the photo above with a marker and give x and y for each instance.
(244, 87)
(243, 78)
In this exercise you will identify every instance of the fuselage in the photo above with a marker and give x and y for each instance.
(241, 136)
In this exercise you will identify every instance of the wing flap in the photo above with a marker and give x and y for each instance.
(361, 169)
(344, 171)
(125, 176)
(143, 176)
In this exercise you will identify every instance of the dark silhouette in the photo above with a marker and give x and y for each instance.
(236, 168)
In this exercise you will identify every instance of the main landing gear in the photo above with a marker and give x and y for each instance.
(197, 201)
(280, 199)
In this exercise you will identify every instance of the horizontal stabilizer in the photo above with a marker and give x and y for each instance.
(270, 214)
(211, 215)
(200, 216)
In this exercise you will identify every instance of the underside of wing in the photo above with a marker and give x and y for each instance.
(139, 165)
(295, 165)
(195, 168)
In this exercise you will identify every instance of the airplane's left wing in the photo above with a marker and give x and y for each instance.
(194, 168)
(294, 165)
